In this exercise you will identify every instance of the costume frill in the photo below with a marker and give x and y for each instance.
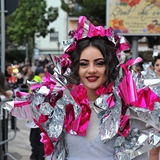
(57, 106)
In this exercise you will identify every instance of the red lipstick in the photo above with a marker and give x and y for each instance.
(92, 78)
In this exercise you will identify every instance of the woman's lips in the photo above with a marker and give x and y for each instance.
(92, 79)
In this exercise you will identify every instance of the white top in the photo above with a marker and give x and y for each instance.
(91, 147)
(93, 125)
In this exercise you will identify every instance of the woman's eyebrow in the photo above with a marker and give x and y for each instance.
(84, 60)
(99, 59)
(94, 60)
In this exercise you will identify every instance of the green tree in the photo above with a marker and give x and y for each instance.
(94, 10)
(31, 17)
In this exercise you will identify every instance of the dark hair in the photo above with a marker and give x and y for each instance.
(8, 65)
(39, 70)
(108, 51)
(2, 84)
(155, 59)
(140, 65)
(6, 72)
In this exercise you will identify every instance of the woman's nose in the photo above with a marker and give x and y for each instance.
(92, 69)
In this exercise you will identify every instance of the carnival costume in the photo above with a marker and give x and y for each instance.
(61, 108)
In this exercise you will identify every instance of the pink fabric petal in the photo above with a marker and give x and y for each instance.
(20, 94)
(78, 125)
(110, 101)
(48, 145)
(104, 90)
(124, 127)
(146, 99)
(127, 87)
(42, 119)
(21, 103)
(128, 91)
(35, 86)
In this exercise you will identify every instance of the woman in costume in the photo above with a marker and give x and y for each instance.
(85, 110)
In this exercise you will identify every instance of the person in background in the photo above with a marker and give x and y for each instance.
(36, 145)
(24, 76)
(11, 84)
(156, 65)
(154, 154)
(45, 61)
(10, 78)
(153, 42)
(29, 75)
(50, 68)
(137, 67)
(4, 96)
(129, 55)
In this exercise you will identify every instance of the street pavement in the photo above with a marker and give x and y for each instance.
(19, 147)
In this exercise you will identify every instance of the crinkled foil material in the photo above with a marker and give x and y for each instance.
(46, 108)
(67, 43)
(23, 98)
(152, 118)
(148, 72)
(56, 124)
(67, 98)
(57, 117)
(139, 79)
(37, 99)
(152, 82)
(101, 101)
(62, 155)
(110, 117)
(137, 143)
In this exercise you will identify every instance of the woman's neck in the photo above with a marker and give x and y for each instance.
(157, 75)
(92, 96)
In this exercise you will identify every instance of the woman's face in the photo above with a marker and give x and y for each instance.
(9, 70)
(92, 68)
(157, 67)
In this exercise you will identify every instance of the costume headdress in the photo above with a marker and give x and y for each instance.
(86, 29)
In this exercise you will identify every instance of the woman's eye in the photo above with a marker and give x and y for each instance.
(83, 64)
(100, 63)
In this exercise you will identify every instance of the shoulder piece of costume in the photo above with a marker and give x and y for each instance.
(57, 105)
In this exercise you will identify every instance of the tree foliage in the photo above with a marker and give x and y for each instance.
(30, 17)
(94, 10)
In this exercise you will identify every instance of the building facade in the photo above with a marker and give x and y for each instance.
(53, 42)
